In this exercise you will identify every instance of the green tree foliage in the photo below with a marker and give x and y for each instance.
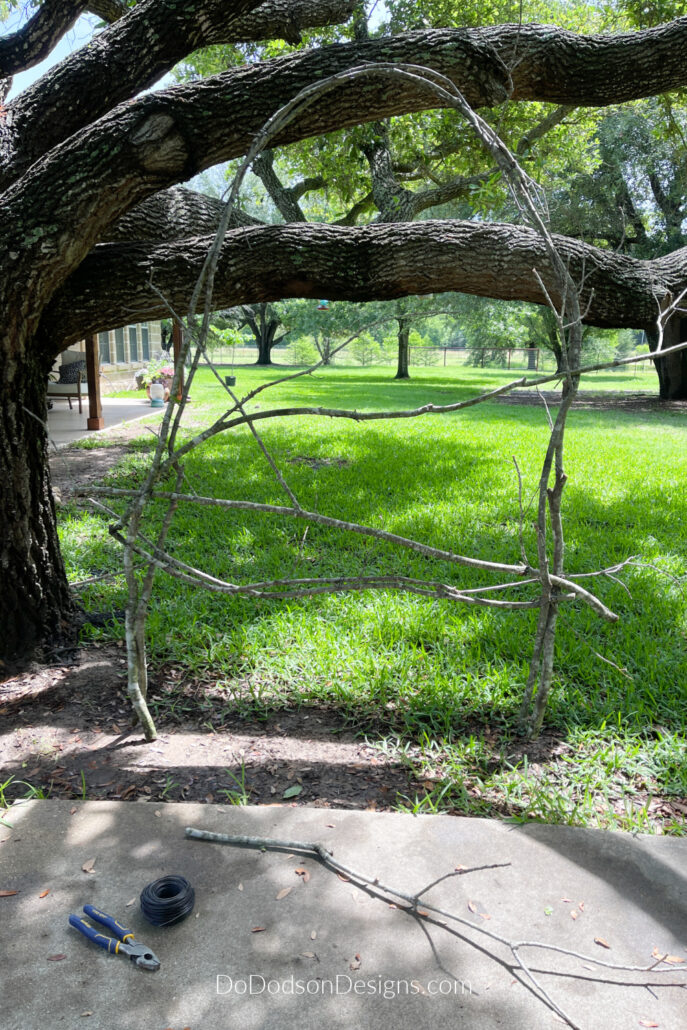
(365, 350)
(634, 199)
(303, 351)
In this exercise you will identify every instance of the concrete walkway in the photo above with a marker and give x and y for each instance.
(65, 426)
(328, 953)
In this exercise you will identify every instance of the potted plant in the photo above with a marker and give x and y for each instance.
(158, 373)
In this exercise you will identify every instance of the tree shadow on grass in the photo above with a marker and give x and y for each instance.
(451, 491)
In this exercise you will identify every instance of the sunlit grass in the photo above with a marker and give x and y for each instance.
(419, 669)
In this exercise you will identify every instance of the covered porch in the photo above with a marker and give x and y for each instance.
(66, 427)
(66, 424)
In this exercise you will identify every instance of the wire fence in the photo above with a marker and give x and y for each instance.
(527, 359)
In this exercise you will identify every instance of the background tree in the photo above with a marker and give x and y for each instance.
(366, 350)
(264, 322)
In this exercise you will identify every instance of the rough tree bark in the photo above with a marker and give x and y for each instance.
(671, 370)
(36, 603)
(82, 148)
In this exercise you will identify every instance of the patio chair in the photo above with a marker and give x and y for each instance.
(71, 374)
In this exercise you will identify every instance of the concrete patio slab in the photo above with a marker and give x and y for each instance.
(65, 426)
(328, 953)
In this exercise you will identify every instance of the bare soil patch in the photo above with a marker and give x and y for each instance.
(72, 737)
(597, 401)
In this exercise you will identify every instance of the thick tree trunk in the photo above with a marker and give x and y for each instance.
(264, 351)
(672, 370)
(265, 342)
(35, 603)
(403, 334)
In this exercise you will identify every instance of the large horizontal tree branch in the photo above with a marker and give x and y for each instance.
(120, 283)
(65, 203)
(529, 62)
(283, 19)
(174, 214)
(132, 55)
(34, 40)
(73, 195)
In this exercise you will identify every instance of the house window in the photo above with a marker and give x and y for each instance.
(104, 348)
(119, 346)
(145, 344)
(133, 344)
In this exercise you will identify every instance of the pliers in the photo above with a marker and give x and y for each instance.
(125, 943)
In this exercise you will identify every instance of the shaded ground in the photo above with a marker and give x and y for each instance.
(599, 401)
(72, 738)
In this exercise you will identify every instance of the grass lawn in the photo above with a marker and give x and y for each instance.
(436, 682)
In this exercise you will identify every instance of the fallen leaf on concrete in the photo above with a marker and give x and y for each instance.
(87, 1013)
(566, 901)
(130, 903)
(647, 1022)
(581, 906)
(602, 942)
(313, 935)
(88, 865)
(673, 959)
(283, 892)
(356, 963)
(460, 868)
(56, 958)
(485, 915)
(308, 954)
(240, 887)
(73, 810)
(345, 879)
(472, 906)
(44, 894)
(257, 929)
(303, 873)
(7, 894)
(573, 914)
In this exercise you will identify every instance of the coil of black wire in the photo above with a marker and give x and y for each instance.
(167, 901)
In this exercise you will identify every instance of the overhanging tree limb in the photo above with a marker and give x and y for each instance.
(33, 41)
(112, 285)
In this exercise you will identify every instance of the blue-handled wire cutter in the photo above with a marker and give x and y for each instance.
(124, 944)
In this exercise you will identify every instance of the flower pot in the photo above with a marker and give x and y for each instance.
(156, 392)
(230, 380)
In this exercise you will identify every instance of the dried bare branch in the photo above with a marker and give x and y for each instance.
(428, 910)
